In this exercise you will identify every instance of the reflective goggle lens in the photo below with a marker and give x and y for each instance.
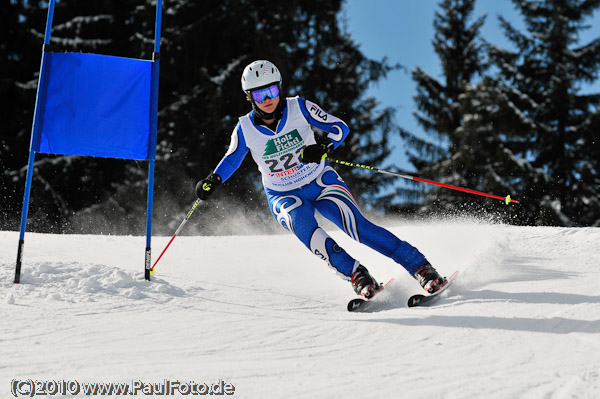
(261, 95)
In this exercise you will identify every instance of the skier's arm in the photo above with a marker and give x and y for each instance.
(235, 154)
(336, 129)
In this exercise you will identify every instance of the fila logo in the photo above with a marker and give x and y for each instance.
(318, 112)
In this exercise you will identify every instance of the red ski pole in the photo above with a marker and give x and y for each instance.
(176, 232)
(506, 199)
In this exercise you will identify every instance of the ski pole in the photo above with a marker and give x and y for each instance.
(506, 199)
(176, 232)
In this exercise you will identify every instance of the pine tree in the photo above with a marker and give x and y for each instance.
(204, 47)
(439, 156)
(542, 135)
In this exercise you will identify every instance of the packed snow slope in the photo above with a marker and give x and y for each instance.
(263, 314)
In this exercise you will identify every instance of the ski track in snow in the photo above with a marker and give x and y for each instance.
(522, 320)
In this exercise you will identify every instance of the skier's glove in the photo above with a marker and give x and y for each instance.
(316, 153)
(207, 186)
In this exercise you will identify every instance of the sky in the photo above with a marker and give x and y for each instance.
(402, 31)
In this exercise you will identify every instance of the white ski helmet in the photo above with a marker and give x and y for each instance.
(258, 74)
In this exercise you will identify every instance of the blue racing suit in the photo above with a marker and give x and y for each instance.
(295, 189)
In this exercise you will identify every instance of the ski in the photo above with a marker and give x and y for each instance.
(428, 299)
(361, 304)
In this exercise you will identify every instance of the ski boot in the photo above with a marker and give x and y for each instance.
(429, 278)
(363, 283)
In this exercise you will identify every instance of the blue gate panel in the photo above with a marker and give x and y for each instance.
(96, 105)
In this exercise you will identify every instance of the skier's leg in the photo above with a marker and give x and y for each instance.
(337, 204)
(297, 215)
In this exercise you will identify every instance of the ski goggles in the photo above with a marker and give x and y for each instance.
(261, 95)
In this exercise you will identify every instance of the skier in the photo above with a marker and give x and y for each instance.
(298, 180)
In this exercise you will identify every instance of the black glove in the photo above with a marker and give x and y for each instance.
(315, 153)
(207, 186)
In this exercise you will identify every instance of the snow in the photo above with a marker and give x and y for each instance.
(522, 320)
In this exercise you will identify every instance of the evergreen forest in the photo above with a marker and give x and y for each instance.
(503, 121)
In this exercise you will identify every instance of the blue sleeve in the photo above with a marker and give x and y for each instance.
(336, 129)
(235, 154)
